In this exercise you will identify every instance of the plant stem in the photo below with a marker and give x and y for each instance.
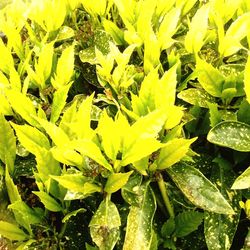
(164, 194)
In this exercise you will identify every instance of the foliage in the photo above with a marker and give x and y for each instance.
(124, 124)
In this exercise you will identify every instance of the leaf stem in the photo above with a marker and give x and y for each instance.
(164, 194)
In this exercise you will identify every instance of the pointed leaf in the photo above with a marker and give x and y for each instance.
(116, 181)
(231, 134)
(242, 181)
(219, 229)
(139, 222)
(7, 143)
(104, 225)
(49, 202)
(173, 151)
(198, 189)
(12, 232)
(187, 222)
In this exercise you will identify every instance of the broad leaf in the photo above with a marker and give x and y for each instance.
(198, 189)
(231, 134)
(7, 144)
(139, 229)
(219, 229)
(49, 202)
(187, 222)
(12, 232)
(104, 225)
(210, 78)
(194, 38)
(116, 181)
(23, 105)
(247, 79)
(242, 181)
(198, 97)
(31, 138)
(173, 151)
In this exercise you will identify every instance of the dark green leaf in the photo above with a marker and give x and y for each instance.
(187, 222)
(139, 223)
(104, 225)
(231, 134)
(168, 227)
(198, 189)
(219, 229)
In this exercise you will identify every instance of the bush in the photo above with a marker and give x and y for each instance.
(124, 124)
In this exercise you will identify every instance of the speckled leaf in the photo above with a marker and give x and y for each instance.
(131, 191)
(243, 181)
(7, 144)
(219, 229)
(65, 32)
(104, 225)
(88, 55)
(101, 41)
(198, 189)
(139, 230)
(198, 97)
(231, 134)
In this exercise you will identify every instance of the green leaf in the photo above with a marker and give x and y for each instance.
(215, 116)
(11, 188)
(104, 225)
(168, 227)
(195, 36)
(187, 222)
(131, 191)
(64, 69)
(219, 229)
(76, 183)
(231, 134)
(139, 222)
(67, 156)
(49, 202)
(59, 101)
(210, 78)
(116, 33)
(198, 189)
(173, 151)
(73, 213)
(12, 232)
(243, 114)
(242, 181)
(247, 79)
(65, 32)
(116, 181)
(88, 55)
(198, 97)
(27, 214)
(7, 144)
(23, 106)
(31, 138)
(90, 149)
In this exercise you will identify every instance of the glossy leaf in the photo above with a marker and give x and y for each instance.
(242, 181)
(198, 97)
(173, 151)
(198, 189)
(210, 78)
(140, 221)
(23, 106)
(59, 101)
(247, 79)
(219, 229)
(31, 138)
(231, 134)
(116, 181)
(7, 144)
(65, 32)
(50, 203)
(187, 222)
(194, 39)
(12, 232)
(104, 225)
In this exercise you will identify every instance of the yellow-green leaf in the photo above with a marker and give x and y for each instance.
(12, 231)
